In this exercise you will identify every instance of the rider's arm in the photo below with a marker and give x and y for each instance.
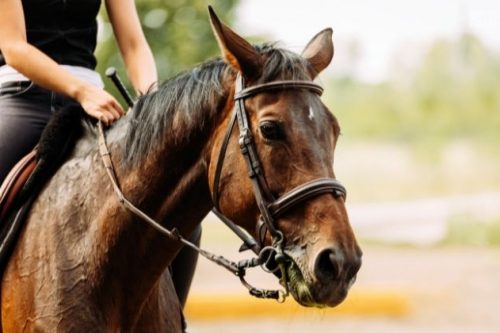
(41, 69)
(141, 68)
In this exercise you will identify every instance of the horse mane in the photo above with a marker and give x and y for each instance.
(189, 101)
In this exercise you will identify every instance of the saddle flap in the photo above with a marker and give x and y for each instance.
(15, 181)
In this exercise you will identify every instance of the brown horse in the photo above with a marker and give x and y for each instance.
(83, 263)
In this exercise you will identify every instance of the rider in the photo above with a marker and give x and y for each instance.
(47, 61)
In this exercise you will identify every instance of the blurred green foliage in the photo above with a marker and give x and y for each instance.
(466, 231)
(178, 32)
(452, 94)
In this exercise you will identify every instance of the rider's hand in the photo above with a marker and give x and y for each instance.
(99, 104)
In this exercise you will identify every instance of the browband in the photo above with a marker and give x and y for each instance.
(286, 84)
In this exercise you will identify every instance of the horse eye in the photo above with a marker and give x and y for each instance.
(271, 130)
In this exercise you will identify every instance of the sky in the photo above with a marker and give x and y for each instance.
(381, 31)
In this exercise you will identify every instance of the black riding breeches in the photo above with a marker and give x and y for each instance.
(25, 109)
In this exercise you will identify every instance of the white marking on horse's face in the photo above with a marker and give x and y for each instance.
(311, 113)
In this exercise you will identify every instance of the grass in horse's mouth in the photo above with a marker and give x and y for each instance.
(298, 287)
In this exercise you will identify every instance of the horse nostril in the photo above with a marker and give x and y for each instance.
(328, 265)
(353, 269)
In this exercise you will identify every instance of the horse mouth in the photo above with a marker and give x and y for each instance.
(299, 288)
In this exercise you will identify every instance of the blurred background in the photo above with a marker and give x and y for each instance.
(415, 86)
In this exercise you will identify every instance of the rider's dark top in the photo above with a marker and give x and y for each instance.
(66, 30)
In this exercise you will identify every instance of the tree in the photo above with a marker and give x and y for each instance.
(178, 32)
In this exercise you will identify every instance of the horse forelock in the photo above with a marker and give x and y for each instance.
(281, 64)
(189, 101)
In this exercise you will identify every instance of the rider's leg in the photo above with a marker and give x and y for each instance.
(24, 112)
(183, 267)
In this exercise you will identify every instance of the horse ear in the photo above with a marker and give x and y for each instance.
(319, 51)
(236, 51)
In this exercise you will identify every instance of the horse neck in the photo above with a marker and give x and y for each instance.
(174, 174)
(171, 186)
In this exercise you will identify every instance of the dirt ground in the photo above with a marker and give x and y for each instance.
(449, 289)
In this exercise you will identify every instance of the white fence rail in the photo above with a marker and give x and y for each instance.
(421, 221)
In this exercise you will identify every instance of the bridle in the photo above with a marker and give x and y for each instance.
(270, 207)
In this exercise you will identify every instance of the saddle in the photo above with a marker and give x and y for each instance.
(14, 182)
(30, 174)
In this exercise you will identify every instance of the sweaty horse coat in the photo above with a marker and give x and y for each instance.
(84, 263)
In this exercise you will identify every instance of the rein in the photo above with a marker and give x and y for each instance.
(237, 268)
(270, 207)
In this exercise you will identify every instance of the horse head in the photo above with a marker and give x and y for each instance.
(294, 137)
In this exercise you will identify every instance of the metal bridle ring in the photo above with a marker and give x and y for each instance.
(265, 260)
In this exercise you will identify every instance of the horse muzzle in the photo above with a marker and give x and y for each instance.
(323, 279)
